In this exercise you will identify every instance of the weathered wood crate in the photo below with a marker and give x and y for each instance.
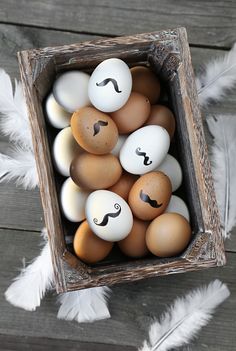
(168, 54)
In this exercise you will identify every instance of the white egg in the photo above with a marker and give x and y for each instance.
(71, 90)
(145, 149)
(109, 216)
(116, 150)
(65, 148)
(73, 201)
(56, 115)
(110, 85)
(177, 205)
(171, 167)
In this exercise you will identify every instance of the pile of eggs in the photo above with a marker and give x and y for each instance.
(113, 150)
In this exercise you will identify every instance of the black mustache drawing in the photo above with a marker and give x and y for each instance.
(106, 217)
(97, 125)
(146, 161)
(106, 81)
(144, 197)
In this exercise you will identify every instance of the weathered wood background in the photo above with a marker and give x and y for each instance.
(26, 24)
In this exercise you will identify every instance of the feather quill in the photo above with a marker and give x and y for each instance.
(87, 305)
(223, 160)
(30, 286)
(218, 77)
(182, 321)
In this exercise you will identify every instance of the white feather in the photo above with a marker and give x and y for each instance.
(30, 286)
(223, 159)
(218, 78)
(86, 305)
(185, 317)
(14, 120)
(20, 166)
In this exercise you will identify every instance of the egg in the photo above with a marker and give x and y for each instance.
(95, 171)
(168, 235)
(144, 149)
(150, 195)
(108, 215)
(146, 82)
(162, 116)
(171, 167)
(56, 115)
(94, 130)
(124, 184)
(134, 245)
(177, 205)
(133, 114)
(110, 85)
(72, 199)
(88, 246)
(116, 150)
(70, 90)
(65, 148)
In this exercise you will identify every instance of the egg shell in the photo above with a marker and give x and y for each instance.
(95, 171)
(145, 149)
(110, 85)
(56, 115)
(171, 167)
(146, 83)
(64, 149)
(72, 199)
(177, 205)
(109, 216)
(162, 116)
(94, 130)
(134, 245)
(116, 150)
(150, 195)
(124, 184)
(168, 235)
(88, 246)
(133, 114)
(70, 90)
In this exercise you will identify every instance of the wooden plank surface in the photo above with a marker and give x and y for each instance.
(211, 28)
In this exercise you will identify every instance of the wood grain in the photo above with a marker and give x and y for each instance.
(208, 23)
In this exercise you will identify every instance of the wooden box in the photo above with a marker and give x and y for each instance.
(168, 54)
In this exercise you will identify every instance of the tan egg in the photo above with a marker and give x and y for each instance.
(88, 246)
(124, 184)
(146, 82)
(133, 114)
(94, 131)
(134, 245)
(150, 195)
(95, 171)
(162, 116)
(168, 235)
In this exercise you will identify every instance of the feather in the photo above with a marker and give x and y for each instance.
(219, 77)
(182, 321)
(86, 305)
(30, 286)
(223, 159)
(14, 120)
(20, 166)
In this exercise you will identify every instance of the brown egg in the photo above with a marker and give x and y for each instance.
(150, 195)
(124, 184)
(168, 235)
(88, 246)
(133, 114)
(146, 82)
(94, 131)
(162, 116)
(134, 245)
(95, 171)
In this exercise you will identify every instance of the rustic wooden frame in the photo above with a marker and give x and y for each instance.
(168, 54)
